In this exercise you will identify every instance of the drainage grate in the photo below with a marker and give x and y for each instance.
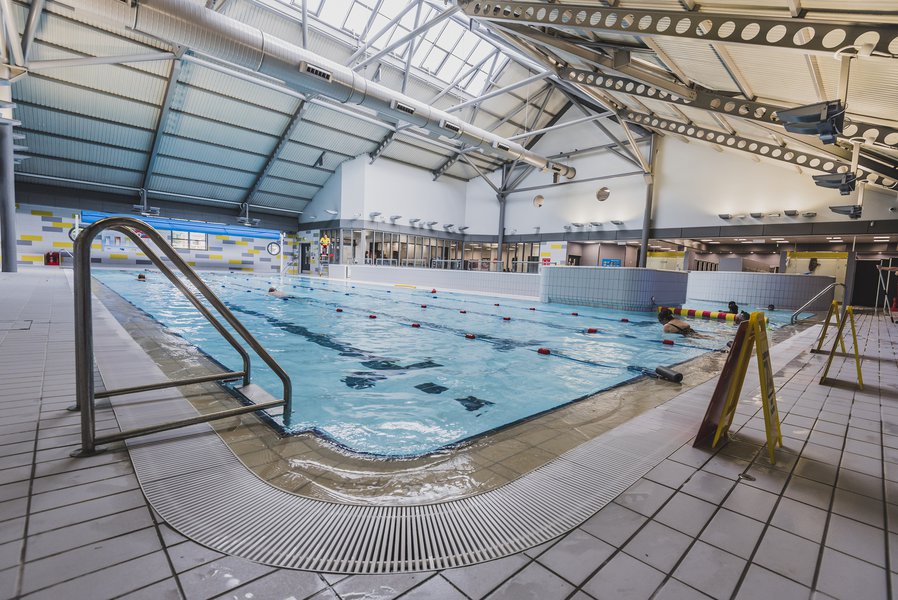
(202, 490)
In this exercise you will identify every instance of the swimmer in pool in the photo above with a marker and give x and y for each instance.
(141, 277)
(276, 293)
(732, 307)
(672, 325)
(743, 316)
(771, 307)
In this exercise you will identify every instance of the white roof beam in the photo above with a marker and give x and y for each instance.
(409, 36)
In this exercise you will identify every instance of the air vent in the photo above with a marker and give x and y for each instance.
(450, 127)
(503, 147)
(556, 168)
(396, 105)
(316, 71)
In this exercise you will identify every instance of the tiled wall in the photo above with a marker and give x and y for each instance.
(620, 288)
(758, 289)
(517, 284)
(43, 229)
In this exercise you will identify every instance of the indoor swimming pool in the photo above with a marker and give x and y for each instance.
(430, 369)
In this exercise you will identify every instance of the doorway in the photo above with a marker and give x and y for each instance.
(304, 265)
(867, 289)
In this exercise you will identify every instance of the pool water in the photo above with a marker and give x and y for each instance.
(381, 386)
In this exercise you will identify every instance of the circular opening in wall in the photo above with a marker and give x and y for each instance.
(602, 194)
(538, 201)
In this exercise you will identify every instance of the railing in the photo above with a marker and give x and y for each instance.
(84, 352)
(446, 263)
(816, 297)
(390, 262)
(884, 286)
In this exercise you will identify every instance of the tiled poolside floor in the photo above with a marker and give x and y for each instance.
(821, 519)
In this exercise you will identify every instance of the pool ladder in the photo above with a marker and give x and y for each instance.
(818, 295)
(85, 394)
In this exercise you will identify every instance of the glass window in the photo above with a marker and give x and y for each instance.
(190, 240)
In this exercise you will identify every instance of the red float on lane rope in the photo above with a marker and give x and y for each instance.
(416, 325)
(625, 320)
(470, 336)
(575, 314)
(531, 308)
(339, 310)
(464, 312)
(668, 342)
(423, 306)
(372, 316)
(506, 318)
(544, 351)
(496, 304)
(592, 330)
(433, 291)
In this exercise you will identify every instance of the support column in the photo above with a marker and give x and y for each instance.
(501, 198)
(649, 201)
(784, 257)
(850, 269)
(7, 200)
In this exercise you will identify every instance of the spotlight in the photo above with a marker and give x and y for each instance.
(331, 211)
(823, 119)
(464, 228)
(726, 216)
(617, 222)
(579, 224)
(394, 218)
(844, 182)
(448, 225)
(773, 214)
(790, 213)
(413, 221)
(595, 223)
(373, 214)
(602, 194)
(853, 211)
(431, 223)
(809, 214)
(567, 227)
(538, 201)
(756, 215)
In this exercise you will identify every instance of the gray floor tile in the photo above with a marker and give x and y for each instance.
(89, 491)
(788, 555)
(325, 594)
(670, 473)
(67, 565)
(761, 584)
(71, 514)
(164, 590)
(658, 545)
(800, 519)
(861, 508)
(478, 580)
(12, 529)
(710, 570)
(726, 466)
(8, 579)
(624, 578)
(576, 556)
(74, 536)
(644, 497)
(535, 582)
(13, 509)
(843, 576)
(433, 588)
(281, 584)
(537, 550)
(856, 539)
(11, 491)
(767, 478)
(860, 483)
(677, 590)
(862, 464)
(751, 502)
(824, 454)
(735, 533)
(686, 513)
(219, 576)
(810, 492)
(708, 486)
(10, 554)
(816, 470)
(114, 581)
(189, 555)
(614, 524)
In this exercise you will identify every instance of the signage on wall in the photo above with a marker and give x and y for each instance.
(611, 262)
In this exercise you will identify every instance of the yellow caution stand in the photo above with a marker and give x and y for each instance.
(832, 313)
(847, 317)
(719, 416)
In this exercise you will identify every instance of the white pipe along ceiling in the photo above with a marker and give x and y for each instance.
(191, 25)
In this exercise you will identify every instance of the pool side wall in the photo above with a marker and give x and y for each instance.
(515, 284)
(622, 288)
(783, 290)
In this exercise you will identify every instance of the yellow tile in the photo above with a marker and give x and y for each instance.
(96, 246)
(192, 263)
(42, 213)
(247, 269)
(242, 243)
(252, 251)
(141, 255)
(63, 245)
(33, 257)
(119, 256)
(235, 261)
(33, 238)
(222, 237)
(216, 256)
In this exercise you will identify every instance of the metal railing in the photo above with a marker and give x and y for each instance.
(817, 296)
(84, 352)
(883, 285)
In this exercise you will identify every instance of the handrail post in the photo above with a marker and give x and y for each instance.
(84, 360)
(831, 286)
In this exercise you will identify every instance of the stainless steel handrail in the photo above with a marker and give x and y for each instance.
(84, 374)
(812, 300)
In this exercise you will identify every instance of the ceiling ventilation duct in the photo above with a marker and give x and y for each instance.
(191, 25)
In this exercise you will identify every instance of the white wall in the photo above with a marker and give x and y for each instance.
(695, 183)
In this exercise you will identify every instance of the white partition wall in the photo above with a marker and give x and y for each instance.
(514, 284)
(783, 290)
(618, 288)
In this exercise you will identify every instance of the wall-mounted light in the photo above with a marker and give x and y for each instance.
(579, 224)
(617, 222)
(448, 225)
(331, 211)
(773, 214)
(394, 218)
(538, 201)
(567, 227)
(595, 223)
(790, 213)
(374, 214)
(602, 194)
(463, 228)
(431, 223)
(725, 216)
(756, 215)
(413, 221)
(809, 214)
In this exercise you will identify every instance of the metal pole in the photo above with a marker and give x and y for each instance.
(649, 197)
(7, 200)
(850, 268)
(84, 344)
(501, 198)
(34, 17)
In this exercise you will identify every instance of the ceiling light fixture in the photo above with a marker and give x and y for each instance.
(413, 221)
(374, 214)
(464, 228)
(595, 223)
(790, 213)
(617, 222)
(725, 216)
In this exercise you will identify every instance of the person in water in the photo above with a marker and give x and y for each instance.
(672, 325)
(742, 316)
(732, 307)
(272, 291)
(771, 307)
(141, 277)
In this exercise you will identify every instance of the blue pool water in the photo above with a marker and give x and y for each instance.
(380, 386)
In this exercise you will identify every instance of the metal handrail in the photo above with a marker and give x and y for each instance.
(812, 300)
(84, 355)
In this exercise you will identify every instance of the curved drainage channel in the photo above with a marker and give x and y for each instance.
(194, 481)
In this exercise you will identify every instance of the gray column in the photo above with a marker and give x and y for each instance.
(850, 269)
(7, 201)
(784, 257)
(649, 200)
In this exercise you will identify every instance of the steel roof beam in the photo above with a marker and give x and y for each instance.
(716, 102)
(500, 91)
(765, 31)
(170, 89)
(390, 25)
(278, 149)
(870, 168)
(408, 37)
(31, 23)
